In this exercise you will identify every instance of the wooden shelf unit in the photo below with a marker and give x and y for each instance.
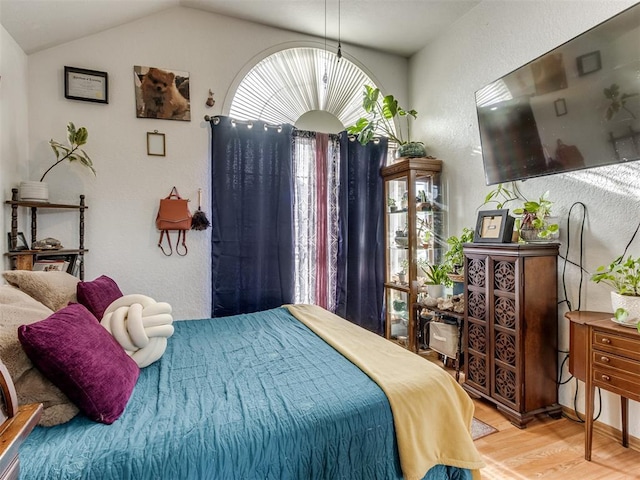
(24, 259)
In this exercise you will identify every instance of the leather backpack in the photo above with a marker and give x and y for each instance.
(173, 214)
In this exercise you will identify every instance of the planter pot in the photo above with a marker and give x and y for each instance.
(34, 191)
(411, 150)
(629, 303)
(532, 235)
(436, 291)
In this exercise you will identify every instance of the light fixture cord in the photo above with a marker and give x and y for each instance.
(325, 77)
(339, 44)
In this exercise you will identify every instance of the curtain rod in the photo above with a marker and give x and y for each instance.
(215, 120)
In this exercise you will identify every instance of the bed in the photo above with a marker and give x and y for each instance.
(255, 396)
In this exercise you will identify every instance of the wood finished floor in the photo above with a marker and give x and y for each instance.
(547, 448)
(550, 449)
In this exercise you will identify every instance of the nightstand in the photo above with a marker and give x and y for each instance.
(605, 355)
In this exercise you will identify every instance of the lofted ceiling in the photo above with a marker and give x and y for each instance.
(399, 27)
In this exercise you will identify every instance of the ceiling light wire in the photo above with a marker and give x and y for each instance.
(325, 77)
(339, 54)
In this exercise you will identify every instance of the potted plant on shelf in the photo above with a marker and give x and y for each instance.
(391, 203)
(454, 256)
(39, 191)
(380, 120)
(624, 277)
(436, 279)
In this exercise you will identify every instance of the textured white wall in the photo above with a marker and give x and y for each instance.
(13, 121)
(491, 40)
(123, 198)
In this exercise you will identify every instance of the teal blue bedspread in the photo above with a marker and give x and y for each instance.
(255, 396)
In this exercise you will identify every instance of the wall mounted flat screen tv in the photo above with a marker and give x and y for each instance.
(576, 107)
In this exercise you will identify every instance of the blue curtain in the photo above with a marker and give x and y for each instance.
(360, 282)
(252, 264)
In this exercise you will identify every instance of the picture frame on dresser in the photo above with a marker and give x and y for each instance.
(494, 226)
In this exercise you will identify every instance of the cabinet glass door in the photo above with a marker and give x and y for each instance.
(398, 316)
(397, 232)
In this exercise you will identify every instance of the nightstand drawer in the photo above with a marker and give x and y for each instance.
(622, 383)
(605, 359)
(618, 344)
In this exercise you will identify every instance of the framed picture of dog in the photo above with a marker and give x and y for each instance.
(161, 93)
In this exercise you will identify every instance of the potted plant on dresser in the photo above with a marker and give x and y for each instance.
(39, 191)
(534, 222)
(624, 277)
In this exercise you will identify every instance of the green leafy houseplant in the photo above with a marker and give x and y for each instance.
(532, 215)
(454, 256)
(436, 274)
(381, 117)
(72, 152)
(624, 277)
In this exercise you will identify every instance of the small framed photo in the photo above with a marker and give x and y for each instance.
(561, 107)
(21, 242)
(589, 63)
(494, 226)
(155, 144)
(86, 85)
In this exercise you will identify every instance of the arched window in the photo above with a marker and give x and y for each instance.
(304, 87)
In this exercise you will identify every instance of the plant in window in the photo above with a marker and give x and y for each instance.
(381, 117)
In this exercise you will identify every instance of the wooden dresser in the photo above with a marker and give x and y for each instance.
(511, 328)
(606, 355)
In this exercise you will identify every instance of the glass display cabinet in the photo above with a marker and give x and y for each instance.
(413, 238)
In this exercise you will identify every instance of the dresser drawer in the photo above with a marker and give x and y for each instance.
(623, 383)
(603, 359)
(618, 344)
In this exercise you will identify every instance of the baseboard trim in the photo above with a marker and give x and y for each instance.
(606, 430)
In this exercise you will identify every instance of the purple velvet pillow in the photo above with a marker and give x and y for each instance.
(83, 360)
(98, 295)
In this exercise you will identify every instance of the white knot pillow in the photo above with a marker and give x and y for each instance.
(140, 325)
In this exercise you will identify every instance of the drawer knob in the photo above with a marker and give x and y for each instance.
(604, 359)
(605, 340)
(606, 378)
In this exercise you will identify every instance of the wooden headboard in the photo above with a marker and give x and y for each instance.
(16, 425)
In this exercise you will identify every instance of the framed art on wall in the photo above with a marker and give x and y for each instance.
(155, 144)
(494, 226)
(86, 85)
(162, 93)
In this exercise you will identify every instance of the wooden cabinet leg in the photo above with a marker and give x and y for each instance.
(588, 437)
(625, 421)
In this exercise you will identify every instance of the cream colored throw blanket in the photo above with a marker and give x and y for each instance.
(431, 413)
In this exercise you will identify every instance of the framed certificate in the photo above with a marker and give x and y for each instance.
(86, 85)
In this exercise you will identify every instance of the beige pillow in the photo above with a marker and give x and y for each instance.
(17, 308)
(53, 289)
